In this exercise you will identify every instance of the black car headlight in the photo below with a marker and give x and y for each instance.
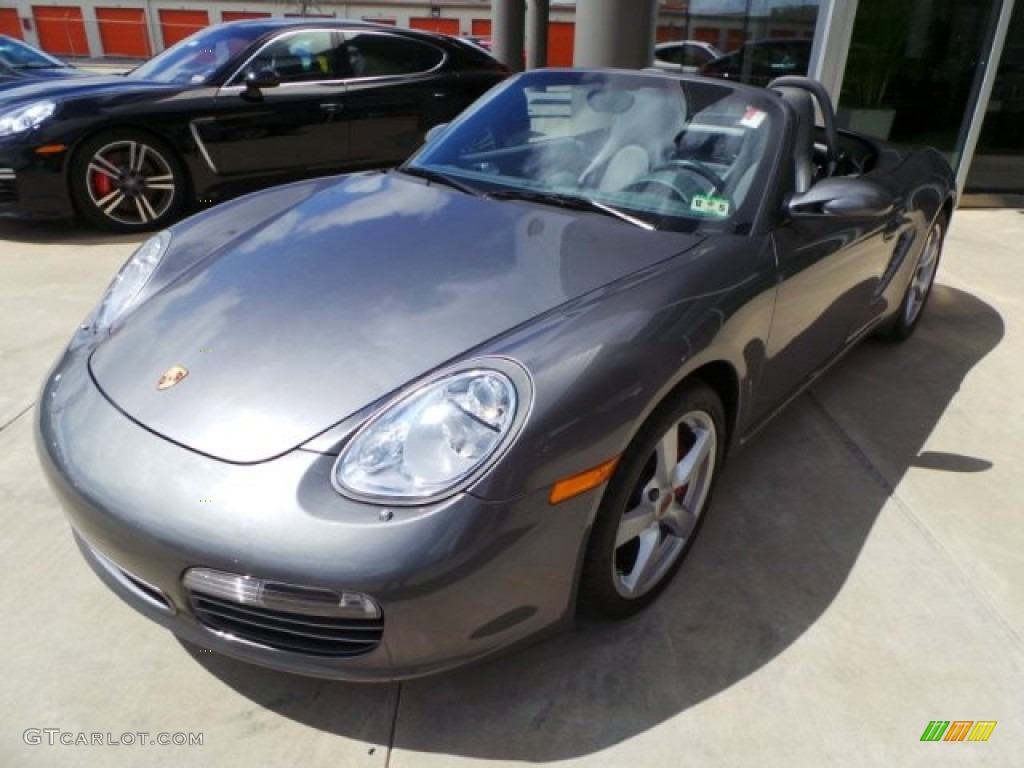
(437, 438)
(26, 118)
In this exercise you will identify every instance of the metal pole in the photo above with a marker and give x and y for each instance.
(615, 33)
(537, 14)
(508, 32)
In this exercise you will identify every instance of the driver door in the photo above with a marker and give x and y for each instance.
(827, 269)
(294, 126)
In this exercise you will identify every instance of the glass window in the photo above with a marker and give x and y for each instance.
(998, 164)
(17, 55)
(376, 54)
(304, 56)
(681, 155)
(199, 57)
(913, 69)
(762, 39)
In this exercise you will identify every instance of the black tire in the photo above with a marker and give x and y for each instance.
(614, 583)
(127, 181)
(902, 324)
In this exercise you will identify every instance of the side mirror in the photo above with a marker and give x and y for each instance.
(258, 79)
(845, 198)
(434, 132)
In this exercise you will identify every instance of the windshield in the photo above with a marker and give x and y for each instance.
(17, 55)
(197, 58)
(683, 155)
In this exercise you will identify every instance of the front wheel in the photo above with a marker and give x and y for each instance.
(127, 181)
(654, 504)
(912, 307)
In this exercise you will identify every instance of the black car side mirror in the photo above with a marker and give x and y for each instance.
(842, 197)
(258, 79)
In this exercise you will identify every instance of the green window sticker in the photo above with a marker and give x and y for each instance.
(710, 205)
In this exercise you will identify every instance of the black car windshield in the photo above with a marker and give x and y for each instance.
(17, 55)
(687, 155)
(199, 57)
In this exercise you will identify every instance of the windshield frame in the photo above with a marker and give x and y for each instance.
(446, 153)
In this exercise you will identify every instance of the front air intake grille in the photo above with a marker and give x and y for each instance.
(8, 186)
(320, 623)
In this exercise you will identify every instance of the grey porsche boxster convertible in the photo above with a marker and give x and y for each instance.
(378, 425)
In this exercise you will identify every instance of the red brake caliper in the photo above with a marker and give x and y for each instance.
(101, 184)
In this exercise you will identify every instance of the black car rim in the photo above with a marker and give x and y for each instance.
(665, 505)
(130, 182)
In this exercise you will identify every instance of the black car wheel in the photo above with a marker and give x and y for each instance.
(915, 299)
(654, 504)
(127, 181)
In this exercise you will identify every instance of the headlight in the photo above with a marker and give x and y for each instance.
(441, 435)
(127, 285)
(26, 118)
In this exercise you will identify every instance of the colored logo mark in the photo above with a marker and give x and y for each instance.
(171, 377)
(958, 730)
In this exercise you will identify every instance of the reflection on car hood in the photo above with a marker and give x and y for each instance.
(345, 297)
(81, 84)
(10, 78)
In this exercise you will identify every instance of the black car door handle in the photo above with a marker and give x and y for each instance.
(442, 94)
(330, 106)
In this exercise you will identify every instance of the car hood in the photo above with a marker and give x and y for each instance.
(79, 85)
(344, 297)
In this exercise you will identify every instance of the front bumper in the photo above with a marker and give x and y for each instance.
(32, 185)
(455, 581)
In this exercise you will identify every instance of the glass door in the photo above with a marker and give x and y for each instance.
(914, 70)
(996, 174)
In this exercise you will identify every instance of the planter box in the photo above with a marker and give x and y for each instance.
(873, 122)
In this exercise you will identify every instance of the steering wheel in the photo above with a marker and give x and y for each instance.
(716, 181)
(645, 184)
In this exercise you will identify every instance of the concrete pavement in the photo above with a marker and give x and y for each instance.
(860, 576)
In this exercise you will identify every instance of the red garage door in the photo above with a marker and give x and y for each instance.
(123, 32)
(177, 25)
(239, 15)
(61, 30)
(10, 25)
(481, 27)
(445, 26)
(560, 43)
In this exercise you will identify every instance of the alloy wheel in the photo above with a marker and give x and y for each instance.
(924, 276)
(130, 182)
(665, 505)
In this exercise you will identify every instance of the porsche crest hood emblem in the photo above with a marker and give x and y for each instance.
(171, 376)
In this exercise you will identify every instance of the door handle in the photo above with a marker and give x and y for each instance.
(330, 106)
(439, 95)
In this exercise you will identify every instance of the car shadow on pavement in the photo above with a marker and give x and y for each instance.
(789, 521)
(59, 232)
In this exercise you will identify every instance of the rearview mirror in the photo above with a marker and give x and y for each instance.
(846, 198)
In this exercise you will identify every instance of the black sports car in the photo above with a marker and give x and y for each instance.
(234, 107)
(20, 63)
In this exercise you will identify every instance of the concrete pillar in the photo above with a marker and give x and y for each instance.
(615, 33)
(537, 13)
(508, 29)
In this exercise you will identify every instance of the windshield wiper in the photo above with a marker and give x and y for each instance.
(439, 178)
(572, 202)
